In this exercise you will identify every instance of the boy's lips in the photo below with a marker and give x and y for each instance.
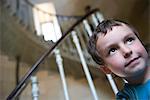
(131, 61)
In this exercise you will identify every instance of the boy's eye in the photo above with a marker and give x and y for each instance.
(130, 40)
(112, 51)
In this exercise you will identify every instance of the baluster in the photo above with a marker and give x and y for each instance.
(30, 19)
(99, 16)
(59, 62)
(87, 27)
(70, 46)
(85, 67)
(35, 88)
(25, 16)
(82, 40)
(85, 33)
(22, 13)
(95, 21)
(112, 83)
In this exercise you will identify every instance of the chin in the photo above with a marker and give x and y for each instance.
(137, 73)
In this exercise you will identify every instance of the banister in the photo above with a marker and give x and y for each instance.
(24, 81)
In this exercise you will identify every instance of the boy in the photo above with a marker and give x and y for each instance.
(115, 45)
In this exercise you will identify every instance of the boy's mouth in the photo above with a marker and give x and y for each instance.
(131, 61)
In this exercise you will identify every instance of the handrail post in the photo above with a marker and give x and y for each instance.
(85, 67)
(35, 89)
(94, 19)
(112, 83)
(87, 27)
(59, 61)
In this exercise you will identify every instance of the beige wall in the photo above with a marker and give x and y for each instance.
(49, 84)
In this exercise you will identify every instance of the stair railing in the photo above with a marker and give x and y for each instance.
(96, 18)
(24, 81)
(88, 23)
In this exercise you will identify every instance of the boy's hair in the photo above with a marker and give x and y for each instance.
(102, 28)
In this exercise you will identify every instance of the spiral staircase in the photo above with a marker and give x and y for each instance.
(46, 70)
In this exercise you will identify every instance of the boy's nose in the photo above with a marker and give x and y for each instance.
(126, 51)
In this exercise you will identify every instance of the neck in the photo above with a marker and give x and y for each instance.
(144, 77)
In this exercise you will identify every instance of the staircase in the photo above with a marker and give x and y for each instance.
(21, 38)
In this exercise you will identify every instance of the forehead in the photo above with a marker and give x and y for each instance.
(113, 36)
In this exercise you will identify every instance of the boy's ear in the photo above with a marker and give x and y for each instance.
(105, 69)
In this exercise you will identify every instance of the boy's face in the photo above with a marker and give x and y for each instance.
(122, 51)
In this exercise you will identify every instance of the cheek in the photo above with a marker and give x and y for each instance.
(139, 48)
(115, 63)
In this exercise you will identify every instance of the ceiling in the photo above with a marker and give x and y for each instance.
(136, 12)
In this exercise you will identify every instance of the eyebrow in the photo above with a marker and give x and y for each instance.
(130, 34)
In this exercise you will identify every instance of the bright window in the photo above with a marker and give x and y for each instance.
(45, 24)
